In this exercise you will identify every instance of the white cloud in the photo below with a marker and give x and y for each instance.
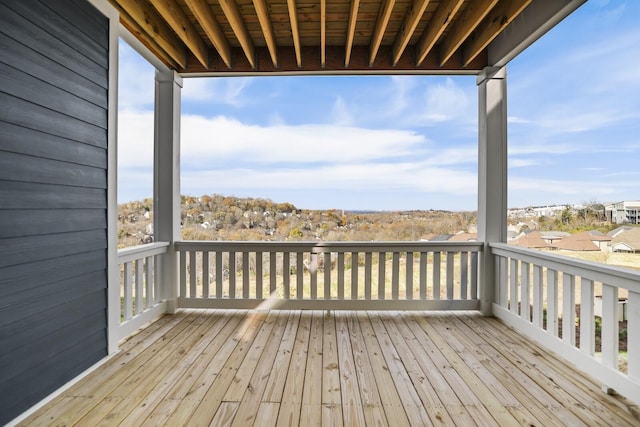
(446, 102)
(136, 80)
(205, 140)
(229, 91)
(341, 114)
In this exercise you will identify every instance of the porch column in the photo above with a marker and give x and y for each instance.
(492, 175)
(166, 180)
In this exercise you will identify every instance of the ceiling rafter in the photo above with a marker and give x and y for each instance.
(323, 33)
(494, 23)
(409, 24)
(207, 20)
(441, 19)
(144, 38)
(381, 26)
(184, 29)
(267, 29)
(147, 18)
(232, 13)
(465, 24)
(351, 30)
(295, 33)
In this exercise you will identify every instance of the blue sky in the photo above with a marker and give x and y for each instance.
(407, 142)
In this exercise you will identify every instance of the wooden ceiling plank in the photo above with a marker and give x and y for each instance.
(267, 29)
(205, 17)
(323, 33)
(232, 13)
(442, 18)
(144, 38)
(147, 18)
(381, 25)
(474, 13)
(494, 23)
(180, 24)
(409, 24)
(351, 30)
(295, 33)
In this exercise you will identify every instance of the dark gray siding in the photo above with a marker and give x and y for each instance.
(53, 196)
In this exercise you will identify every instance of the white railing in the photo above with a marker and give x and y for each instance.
(139, 288)
(574, 308)
(329, 275)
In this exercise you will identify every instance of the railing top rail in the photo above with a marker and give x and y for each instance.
(324, 246)
(599, 272)
(141, 251)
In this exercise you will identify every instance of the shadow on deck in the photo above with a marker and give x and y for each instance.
(227, 367)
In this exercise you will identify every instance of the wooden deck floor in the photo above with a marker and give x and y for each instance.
(307, 368)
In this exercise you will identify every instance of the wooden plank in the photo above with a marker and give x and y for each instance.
(183, 273)
(525, 308)
(474, 275)
(250, 399)
(464, 274)
(575, 391)
(340, 275)
(291, 399)
(182, 400)
(311, 408)
(497, 385)
(180, 372)
(314, 275)
(350, 397)
(415, 411)
(241, 380)
(420, 379)
(327, 275)
(246, 286)
(139, 284)
(480, 389)
(368, 389)
(389, 397)
(232, 274)
(267, 414)
(515, 376)
(219, 275)
(610, 326)
(275, 385)
(440, 357)
(259, 275)
(330, 363)
(286, 275)
(444, 388)
(225, 414)
(272, 272)
(212, 398)
(300, 275)
(205, 274)
(145, 360)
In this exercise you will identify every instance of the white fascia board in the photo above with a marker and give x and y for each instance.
(538, 18)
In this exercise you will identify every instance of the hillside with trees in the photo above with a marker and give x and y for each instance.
(218, 217)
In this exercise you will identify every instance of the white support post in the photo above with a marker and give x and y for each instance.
(492, 174)
(166, 180)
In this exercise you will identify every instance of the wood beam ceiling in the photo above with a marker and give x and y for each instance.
(499, 18)
(267, 29)
(381, 26)
(204, 15)
(473, 14)
(232, 13)
(323, 33)
(411, 20)
(351, 30)
(439, 22)
(180, 24)
(295, 32)
(148, 19)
